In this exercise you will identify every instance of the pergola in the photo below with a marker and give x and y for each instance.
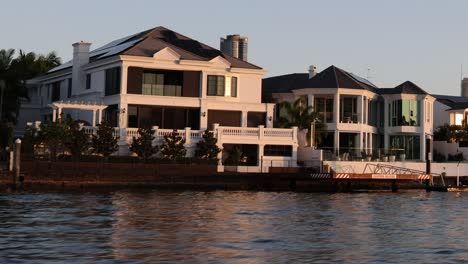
(58, 106)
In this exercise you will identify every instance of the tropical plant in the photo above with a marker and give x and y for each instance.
(235, 156)
(104, 142)
(303, 116)
(14, 72)
(451, 133)
(173, 147)
(207, 148)
(77, 141)
(143, 145)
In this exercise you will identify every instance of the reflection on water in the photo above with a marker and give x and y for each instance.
(233, 227)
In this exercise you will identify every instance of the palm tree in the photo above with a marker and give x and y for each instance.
(303, 116)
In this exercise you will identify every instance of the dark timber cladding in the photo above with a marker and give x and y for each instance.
(224, 118)
(190, 81)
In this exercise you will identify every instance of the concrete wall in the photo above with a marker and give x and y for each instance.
(441, 116)
(446, 148)
(358, 167)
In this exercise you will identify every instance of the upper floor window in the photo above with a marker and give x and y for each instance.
(164, 83)
(404, 113)
(216, 85)
(69, 88)
(112, 81)
(55, 91)
(324, 107)
(88, 81)
(233, 86)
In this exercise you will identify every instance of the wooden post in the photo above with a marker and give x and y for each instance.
(17, 161)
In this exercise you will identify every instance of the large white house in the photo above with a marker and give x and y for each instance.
(163, 79)
(361, 118)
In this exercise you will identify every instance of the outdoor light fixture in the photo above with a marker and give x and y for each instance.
(122, 110)
(204, 114)
(270, 118)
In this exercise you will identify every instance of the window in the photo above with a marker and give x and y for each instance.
(88, 81)
(234, 87)
(216, 85)
(404, 113)
(348, 108)
(112, 81)
(55, 91)
(324, 107)
(408, 145)
(162, 83)
(69, 91)
(278, 150)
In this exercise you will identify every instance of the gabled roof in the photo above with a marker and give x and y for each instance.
(148, 42)
(331, 77)
(404, 88)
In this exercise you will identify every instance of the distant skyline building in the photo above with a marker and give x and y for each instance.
(235, 45)
(464, 87)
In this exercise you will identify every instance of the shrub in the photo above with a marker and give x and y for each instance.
(104, 142)
(77, 141)
(143, 145)
(207, 148)
(53, 135)
(173, 147)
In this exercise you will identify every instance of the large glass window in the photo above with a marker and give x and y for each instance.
(162, 83)
(216, 84)
(324, 107)
(408, 145)
(348, 107)
(404, 113)
(88, 81)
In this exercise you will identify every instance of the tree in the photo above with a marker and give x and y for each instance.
(301, 115)
(104, 142)
(173, 147)
(14, 72)
(77, 141)
(207, 148)
(143, 145)
(451, 133)
(53, 135)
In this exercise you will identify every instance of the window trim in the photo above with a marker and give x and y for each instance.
(88, 81)
(217, 79)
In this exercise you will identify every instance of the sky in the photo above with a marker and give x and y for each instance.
(389, 42)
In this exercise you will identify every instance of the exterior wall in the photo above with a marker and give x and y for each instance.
(446, 148)
(441, 116)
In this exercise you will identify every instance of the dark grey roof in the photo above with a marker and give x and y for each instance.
(404, 88)
(148, 42)
(455, 102)
(331, 77)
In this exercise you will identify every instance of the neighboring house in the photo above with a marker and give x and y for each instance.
(161, 78)
(361, 118)
(452, 110)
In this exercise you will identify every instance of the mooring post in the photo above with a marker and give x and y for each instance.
(17, 161)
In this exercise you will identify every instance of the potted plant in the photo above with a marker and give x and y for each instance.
(385, 157)
(392, 156)
(402, 155)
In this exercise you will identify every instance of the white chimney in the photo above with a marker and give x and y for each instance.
(80, 58)
(312, 71)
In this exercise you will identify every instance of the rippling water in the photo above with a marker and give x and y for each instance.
(233, 227)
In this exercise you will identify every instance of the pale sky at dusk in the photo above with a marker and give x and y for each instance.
(422, 41)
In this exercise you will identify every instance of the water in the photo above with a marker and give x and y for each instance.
(233, 227)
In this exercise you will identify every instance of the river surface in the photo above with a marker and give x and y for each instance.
(233, 227)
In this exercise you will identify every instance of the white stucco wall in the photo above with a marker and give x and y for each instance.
(441, 115)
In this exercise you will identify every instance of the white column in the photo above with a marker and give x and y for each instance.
(54, 115)
(204, 84)
(336, 144)
(100, 116)
(310, 100)
(422, 123)
(123, 79)
(244, 119)
(188, 136)
(59, 113)
(270, 115)
(94, 118)
(360, 107)
(371, 143)
(336, 108)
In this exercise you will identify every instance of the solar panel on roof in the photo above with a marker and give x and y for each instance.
(119, 48)
(360, 79)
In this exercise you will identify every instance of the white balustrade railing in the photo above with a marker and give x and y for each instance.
(261, 134)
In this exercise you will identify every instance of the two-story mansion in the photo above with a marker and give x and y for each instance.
(360, 117)
(160, 78)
